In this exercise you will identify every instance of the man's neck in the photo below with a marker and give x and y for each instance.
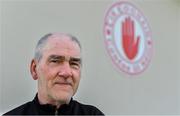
(46, 100)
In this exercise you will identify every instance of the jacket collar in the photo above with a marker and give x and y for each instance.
(51, 109)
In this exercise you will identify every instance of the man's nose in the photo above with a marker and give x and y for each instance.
(65, 70)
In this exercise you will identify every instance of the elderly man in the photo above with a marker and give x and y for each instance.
(57, 68)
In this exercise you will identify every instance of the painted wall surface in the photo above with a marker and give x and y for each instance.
(155, 91)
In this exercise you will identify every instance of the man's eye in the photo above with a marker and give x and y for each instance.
(75, 65)
(55, 61)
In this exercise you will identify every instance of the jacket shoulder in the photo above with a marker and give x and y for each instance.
(21, 110)
(87, 109)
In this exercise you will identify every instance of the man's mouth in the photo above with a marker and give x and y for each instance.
(63, 83)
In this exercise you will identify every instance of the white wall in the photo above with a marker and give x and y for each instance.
(156, 91)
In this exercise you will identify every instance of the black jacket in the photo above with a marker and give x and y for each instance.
(73, 108)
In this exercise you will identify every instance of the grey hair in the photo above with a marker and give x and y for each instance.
(42, 42)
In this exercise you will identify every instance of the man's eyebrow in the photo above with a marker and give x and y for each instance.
(75, 59)
(56, 57)
(63, 58)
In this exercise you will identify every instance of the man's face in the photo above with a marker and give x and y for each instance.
(59, 69)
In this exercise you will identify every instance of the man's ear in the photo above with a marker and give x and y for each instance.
(33, 69)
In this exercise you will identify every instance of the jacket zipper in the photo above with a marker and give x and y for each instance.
(56, 112)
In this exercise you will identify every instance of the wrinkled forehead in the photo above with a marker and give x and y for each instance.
(65, 36)
(63, 44)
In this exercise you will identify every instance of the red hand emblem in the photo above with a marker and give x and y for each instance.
(129, 41)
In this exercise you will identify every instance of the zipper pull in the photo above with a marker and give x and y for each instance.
(56, 112)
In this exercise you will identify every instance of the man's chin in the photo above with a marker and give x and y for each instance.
(63, 97)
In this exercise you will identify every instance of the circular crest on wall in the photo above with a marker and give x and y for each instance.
(128, 38)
